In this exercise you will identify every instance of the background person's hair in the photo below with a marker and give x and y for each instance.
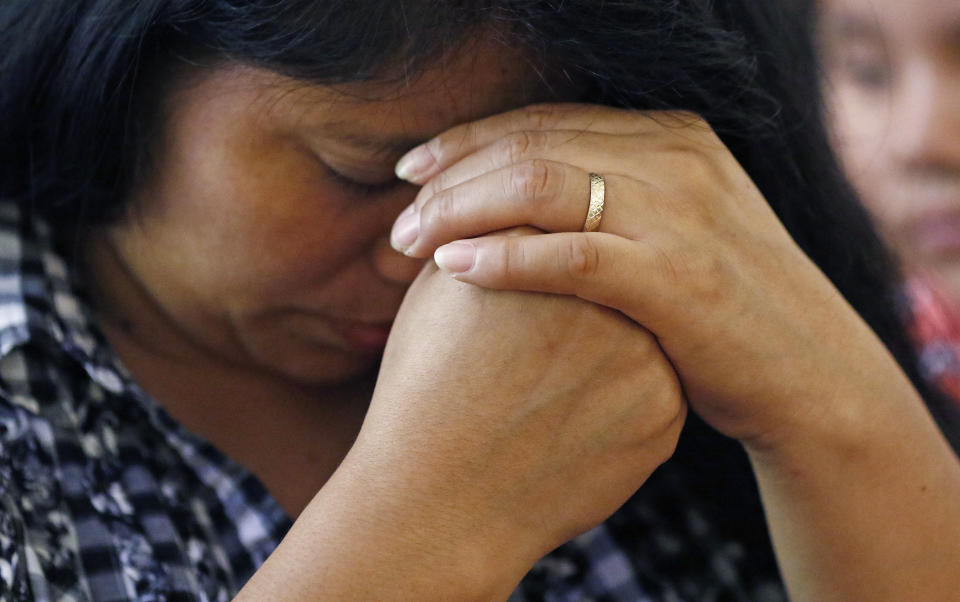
(83, 83)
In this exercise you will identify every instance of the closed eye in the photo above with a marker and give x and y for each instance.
(361, 188)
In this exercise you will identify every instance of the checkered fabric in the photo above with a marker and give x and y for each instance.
(103, 496)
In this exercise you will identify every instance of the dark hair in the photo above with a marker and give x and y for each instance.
(83, 83)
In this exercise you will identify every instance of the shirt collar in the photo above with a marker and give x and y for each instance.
(42, 300)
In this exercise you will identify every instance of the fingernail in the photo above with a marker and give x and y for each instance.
(414, 163)
(405, 231)
(456, 257)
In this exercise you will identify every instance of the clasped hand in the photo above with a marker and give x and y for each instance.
(687, 247)
(512, 415)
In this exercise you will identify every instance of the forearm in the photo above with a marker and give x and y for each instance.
(867, 506)
(356, 542)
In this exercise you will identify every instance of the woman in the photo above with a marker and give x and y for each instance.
(893, 85)
(192, 343)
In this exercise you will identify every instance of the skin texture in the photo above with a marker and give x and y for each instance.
(854, 475)
(712, 253)
(893, 85)
(243, 259)
(218, 292)
(477, 457)
(492, 406)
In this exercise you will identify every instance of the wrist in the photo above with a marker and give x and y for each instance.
(367, 536)
(858, 419)
(869, 486)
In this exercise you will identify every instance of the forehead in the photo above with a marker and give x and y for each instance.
(921, 20)
(480, 78)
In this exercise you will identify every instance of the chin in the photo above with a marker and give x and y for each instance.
(325, 367)
(302, 354)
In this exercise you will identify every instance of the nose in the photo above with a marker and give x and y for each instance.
(392, 265)
(926, 123)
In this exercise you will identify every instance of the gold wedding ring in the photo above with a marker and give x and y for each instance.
(595, 211)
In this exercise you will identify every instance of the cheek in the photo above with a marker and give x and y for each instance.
(860, 129)
(291, 248)
(233, 245)
(861, 135)
(252, 216)
(278, 218)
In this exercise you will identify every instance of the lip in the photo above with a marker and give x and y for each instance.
(362, 336)
(937, 234)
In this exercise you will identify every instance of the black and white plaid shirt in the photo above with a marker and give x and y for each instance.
(104, 497)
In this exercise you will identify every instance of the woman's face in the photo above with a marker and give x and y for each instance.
(263, 234)
(893, 71)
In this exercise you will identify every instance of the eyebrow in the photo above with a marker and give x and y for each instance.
(854, 27)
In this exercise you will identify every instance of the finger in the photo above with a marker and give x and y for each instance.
(600, 153)
(654, 153)
(550, 196)
(392, 266)
(517, 231)
(634, 277)
(424, 161)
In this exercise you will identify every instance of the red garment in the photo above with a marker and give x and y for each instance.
(935, 329)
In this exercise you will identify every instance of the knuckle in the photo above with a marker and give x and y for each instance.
(687, 116)
(540, 116)
(438, 212)
(512, 260)
(693, 160)
(519, 145)
(669, 405)
(679, 118)
(669, 437)
(698, 124)
(437, 147)
(453, 143)
(532, 181)
(516, 145)
(580, 257)
(704, 177)
(660, 408)
(436, 185)
(664, 412)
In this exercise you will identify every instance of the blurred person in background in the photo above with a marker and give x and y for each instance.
(892, 69)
